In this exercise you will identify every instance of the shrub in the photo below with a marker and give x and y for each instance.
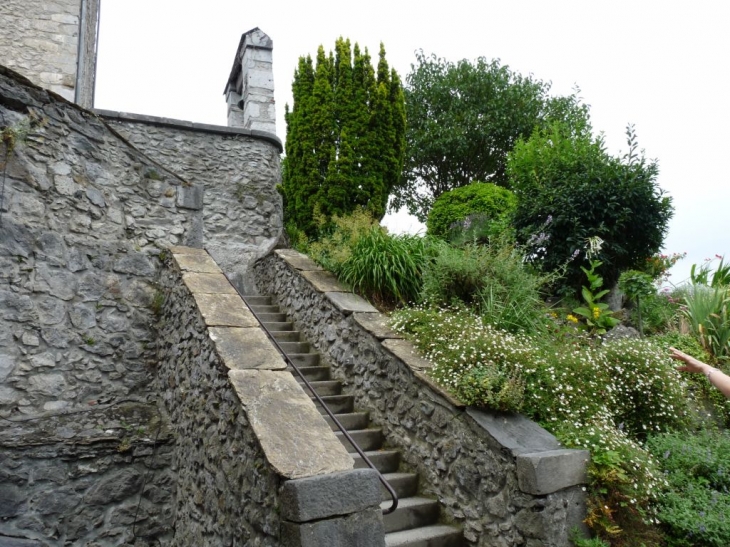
(338, 237)
(696, 506)
(493, 278)
(481, 210)
(385, 268)
(708, 314)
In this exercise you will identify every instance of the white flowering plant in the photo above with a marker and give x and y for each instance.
(602, 397)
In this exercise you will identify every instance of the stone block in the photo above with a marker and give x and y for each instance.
(190, 197)
(200, 263)
(348, 302)
(181, 250)
(208, 283)
(224, 310)
(246, 348)
(293, 434)
(541, 473)
(330, 495)
(376, 324)
(364, 529)
(324, 281)
(297, 260)
(514, 432)
(406, 352)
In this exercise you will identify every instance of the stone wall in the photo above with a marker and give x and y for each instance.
(237, 170)
(256, 463)
(502, 477)
(82, 225)
(40, 39)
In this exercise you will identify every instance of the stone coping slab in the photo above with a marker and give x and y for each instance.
(546, 472)
(324, 281)
(298, 261)
(376, 324)
(196, 262)
(208, 283)
(224, 310)
(514, 431)
(293, 434)
(246, 348)
(180, 250)
(321, 497)
(348, 302)
(407, 352)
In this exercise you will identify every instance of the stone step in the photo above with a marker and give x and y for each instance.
(259, 309)
(275, 317)
(278, 326)
(295, 347)
(351, 421)
(323, 388)
(256, 300)
(411, 513)
(404, 484)
(366, 439)
(287, 335)
(338, 404)
(438, 535)
(313, 374)
(304, 359)
(385, 461)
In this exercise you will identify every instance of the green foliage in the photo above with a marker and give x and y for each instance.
(385, 269)
(569, 188)
(637, 286)
(707, 310)
(720, 277)
(463, 119)
(491, 278)
(658, 265)
(659, 312)
(345, 137)
(595, 313)
(696, 505)
(487, 204)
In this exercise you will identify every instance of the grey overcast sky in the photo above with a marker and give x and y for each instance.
(663, 66)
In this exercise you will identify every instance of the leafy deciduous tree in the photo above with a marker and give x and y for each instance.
(569, 189)
(345, 136)
(463, 120)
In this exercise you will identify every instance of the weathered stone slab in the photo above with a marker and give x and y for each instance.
(199, 262)
(293, 434)
(376, 324)
(348, 302)
(324, 281)
(541, 473)
(181, 250)
(299, 261)
(190, 197)
(406, 352)
(246, 348)
(325, 496)
(514, 431)
(224, 310)
(207, 283)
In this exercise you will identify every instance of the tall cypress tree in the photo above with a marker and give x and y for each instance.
(345, 136)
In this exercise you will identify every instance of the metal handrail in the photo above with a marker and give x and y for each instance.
(289, 361)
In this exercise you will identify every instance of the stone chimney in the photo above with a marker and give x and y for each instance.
(250, 89)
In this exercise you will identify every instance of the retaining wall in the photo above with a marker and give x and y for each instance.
(257, 464)
(502, 477)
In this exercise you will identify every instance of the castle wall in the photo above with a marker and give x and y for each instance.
(86, 218)
(237, 170)
(40, 39)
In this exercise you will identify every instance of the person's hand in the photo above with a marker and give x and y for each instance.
(690, 363)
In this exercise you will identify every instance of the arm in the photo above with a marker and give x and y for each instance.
(716, 377)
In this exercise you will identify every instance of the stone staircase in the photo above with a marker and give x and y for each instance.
(415, 523)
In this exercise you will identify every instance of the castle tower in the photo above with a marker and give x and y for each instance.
(250, 89)
(53, 44)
